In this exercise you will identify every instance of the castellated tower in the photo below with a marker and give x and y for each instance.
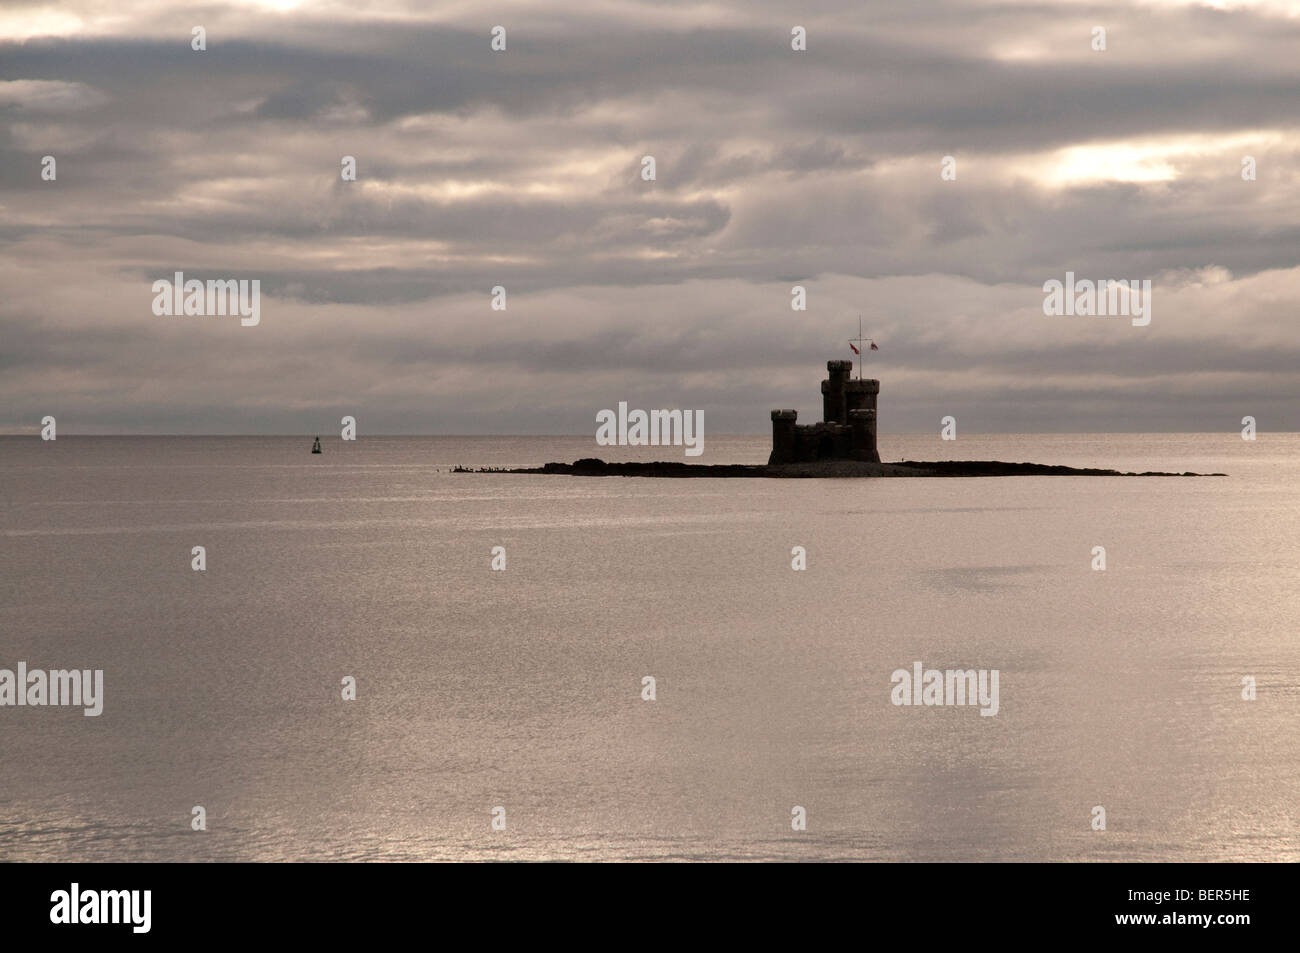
(848, 428)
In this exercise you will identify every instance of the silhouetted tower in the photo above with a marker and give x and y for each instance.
(848, 430)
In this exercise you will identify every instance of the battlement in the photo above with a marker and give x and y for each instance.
(861, 386)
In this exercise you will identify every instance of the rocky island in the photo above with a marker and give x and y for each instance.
(843, 444)
(821, 469)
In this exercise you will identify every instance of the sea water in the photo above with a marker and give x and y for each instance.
(523, 689)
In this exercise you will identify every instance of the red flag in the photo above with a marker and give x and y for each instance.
(873, 346)
(855, 350)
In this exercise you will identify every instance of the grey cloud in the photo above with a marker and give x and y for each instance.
(773, 168)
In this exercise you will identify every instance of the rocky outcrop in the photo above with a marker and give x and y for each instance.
(825, 469)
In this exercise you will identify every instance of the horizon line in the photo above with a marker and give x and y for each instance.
(306, 435)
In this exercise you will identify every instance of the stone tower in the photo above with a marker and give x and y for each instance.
(848, 428)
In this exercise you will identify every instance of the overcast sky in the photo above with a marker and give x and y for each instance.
(523, 169)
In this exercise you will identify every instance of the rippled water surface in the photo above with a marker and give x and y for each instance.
(522, 688)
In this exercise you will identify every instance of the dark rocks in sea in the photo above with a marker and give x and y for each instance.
(823, 469)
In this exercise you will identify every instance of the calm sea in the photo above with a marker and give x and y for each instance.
(522, 689)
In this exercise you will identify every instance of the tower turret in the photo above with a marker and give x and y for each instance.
(833, 409)
(860, 395)
(783, 441)
(862, 423)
